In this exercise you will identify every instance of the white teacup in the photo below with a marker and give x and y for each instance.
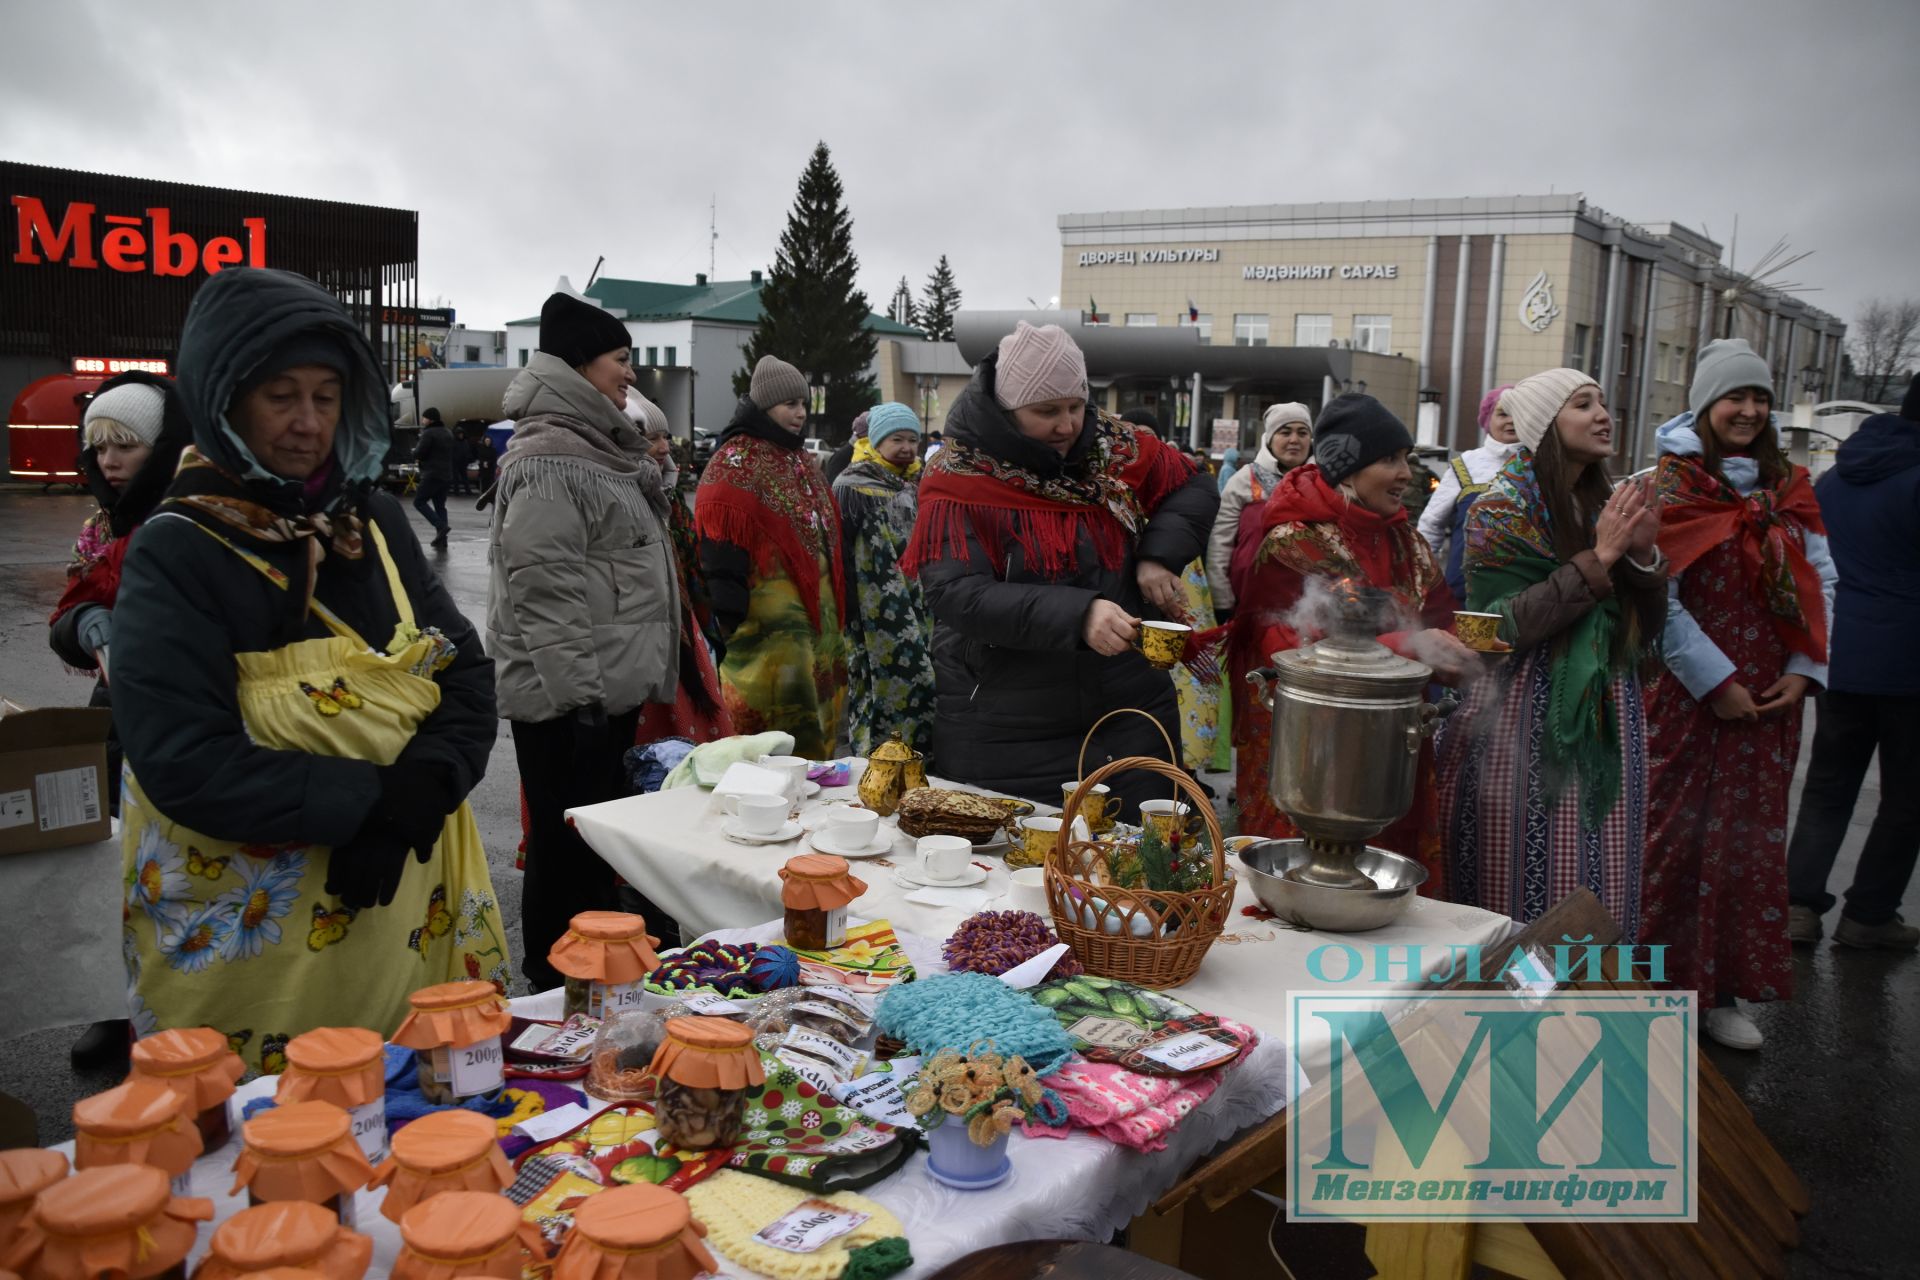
(757, 814)
(853, 828)
(943, 858)
(795, 767)
(1028, 890)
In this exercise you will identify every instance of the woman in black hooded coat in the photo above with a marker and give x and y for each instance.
(303, 708)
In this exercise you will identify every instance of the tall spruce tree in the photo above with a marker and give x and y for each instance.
(811, 315)
(902, 309)
(938, 303)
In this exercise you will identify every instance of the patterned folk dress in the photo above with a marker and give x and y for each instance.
(1716, 866)
(1527, 817)
(889, 630)
(786, 664)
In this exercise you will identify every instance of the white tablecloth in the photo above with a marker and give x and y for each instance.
(668, 846)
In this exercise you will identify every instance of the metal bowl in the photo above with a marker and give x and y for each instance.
(1322, 907)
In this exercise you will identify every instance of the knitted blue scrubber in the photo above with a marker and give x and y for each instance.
(773, 968)
(955, 1010)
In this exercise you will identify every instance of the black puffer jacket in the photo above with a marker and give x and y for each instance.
(187, 604)
(1017, 687)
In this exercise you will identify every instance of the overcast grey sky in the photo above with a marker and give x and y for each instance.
(537, 135)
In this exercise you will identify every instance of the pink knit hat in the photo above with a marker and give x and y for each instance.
(1038, 364)
(1491, 401)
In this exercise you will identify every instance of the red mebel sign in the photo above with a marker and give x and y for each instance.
(127, 243)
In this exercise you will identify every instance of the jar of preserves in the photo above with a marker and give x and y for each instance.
(347, 1067)
(24, 1173)
(302, 1151)
(704, 1068)
(816, 890)
(623, 1052)
(117, 1220)
(635, 1232)
(139, 1122)
(454, 1031)
(441, 1152)
(285, 1234)
(198, 1064)
(604, 956)
(467, 1233)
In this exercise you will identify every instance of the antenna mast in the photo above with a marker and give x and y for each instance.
(713, 231)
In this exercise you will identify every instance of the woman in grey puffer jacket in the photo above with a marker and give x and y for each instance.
(583, 614)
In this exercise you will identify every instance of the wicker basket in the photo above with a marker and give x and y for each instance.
(1175, 928)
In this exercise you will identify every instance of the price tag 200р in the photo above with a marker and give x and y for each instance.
(477, 1068)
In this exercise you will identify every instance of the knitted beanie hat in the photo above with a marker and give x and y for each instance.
(1726, 365)
(775, 382)
(1279, 415)
(1533, 403)
(578, 332)
(1491, 401)
(137, 406)
(888, 419)
(1356, 430)
(1038, 364)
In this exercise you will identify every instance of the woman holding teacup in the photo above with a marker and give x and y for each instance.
(1339, 519)
(1046, 532)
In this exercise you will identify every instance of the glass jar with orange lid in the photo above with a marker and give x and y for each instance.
(345, 1066)
(816, 890)
(302, 1151)
(117, 1219)
(138, 1122)
(604, 955)
(636, 1232)
(198, 1064)
(454, 1031)
(467, 1233)
(24, 1173)
(704, 1068)
(281, 1236)
(441, 1152)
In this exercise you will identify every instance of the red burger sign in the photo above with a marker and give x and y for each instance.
(122, 242)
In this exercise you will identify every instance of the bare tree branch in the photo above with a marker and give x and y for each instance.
(1885, 343)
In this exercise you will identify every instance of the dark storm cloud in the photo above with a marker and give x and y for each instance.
(533, 137)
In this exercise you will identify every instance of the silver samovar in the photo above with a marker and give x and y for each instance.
(1349, 717)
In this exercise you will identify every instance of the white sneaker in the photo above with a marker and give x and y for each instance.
(1733, 1028)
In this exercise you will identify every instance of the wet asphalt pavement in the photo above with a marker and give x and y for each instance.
(1836, 1086)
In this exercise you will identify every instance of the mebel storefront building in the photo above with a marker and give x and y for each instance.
(1473, 292)
(97, 272)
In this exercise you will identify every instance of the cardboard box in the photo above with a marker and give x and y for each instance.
(53, 777)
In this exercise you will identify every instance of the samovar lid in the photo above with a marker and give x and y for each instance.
(1351, 665)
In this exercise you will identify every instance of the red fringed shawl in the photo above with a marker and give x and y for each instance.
(1699, 511)
(771, 503)
(966, 490)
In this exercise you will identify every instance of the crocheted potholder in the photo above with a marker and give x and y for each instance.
(958, 1010)
(733, 1206)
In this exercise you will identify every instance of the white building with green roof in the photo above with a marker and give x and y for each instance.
(687, 339)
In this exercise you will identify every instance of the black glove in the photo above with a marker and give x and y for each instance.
(415, 798)
(1221, 617)
(589, 733)
(366, 870)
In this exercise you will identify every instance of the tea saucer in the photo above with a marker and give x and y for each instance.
(911, 876)
(809, 790)
(733, 831)
(825, 841)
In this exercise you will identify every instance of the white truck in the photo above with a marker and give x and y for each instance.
(458, 394)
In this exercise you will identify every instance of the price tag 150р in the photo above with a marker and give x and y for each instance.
(477, 1068)
(618, 997)
(809, 1225)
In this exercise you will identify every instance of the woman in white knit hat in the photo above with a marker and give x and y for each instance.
(1749, 603)
(1543, 770)
(1046, 532)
